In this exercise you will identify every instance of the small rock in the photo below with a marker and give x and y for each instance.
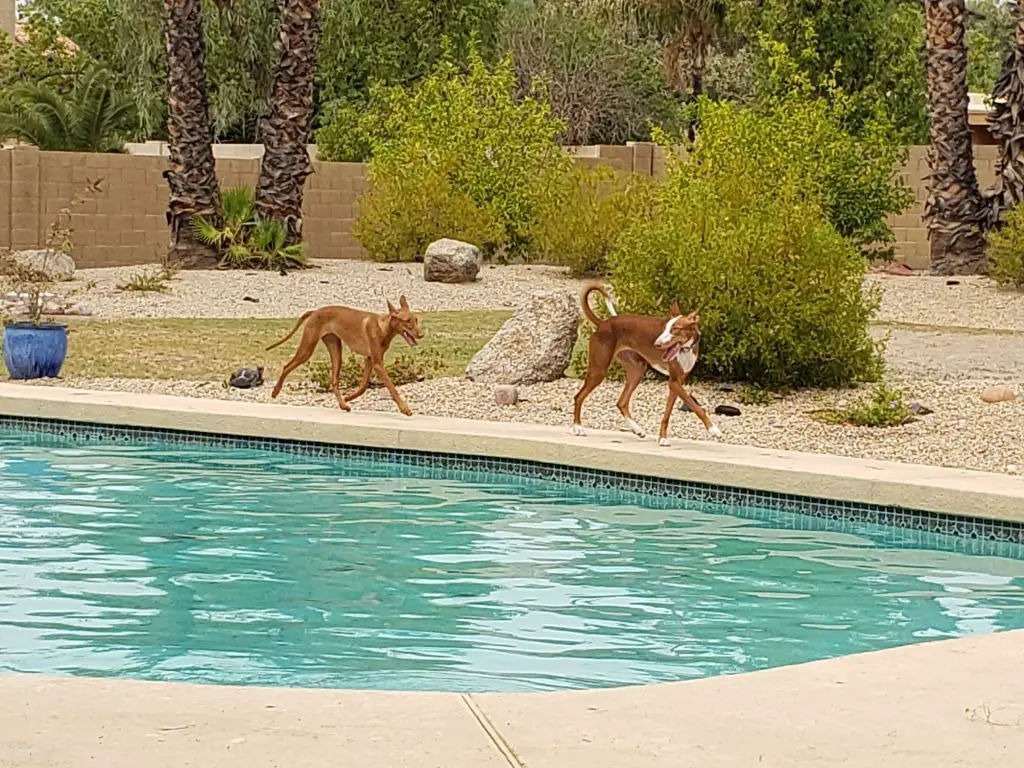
(82, 310)
(920, 409)
(250, 298)
(952, 282)
(247, 378)
(899, 270)
(54, 265)
(727, 410)
(534, 346)
(998, 394)
(506, 394)
(725, 388)
(451, 261)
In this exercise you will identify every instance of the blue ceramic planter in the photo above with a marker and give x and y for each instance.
(35, 351)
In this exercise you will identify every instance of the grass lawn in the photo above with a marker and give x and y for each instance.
(182, 349)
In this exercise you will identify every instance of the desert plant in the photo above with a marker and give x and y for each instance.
(739, 237)
(885, 407)
(30, 286)
(1006, 251)
(580, 224)
(147, 281)
(466, 131)
(754, 395)
(403, 368)
(245, 241)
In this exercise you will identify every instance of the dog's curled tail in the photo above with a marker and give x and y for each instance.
(291, 333)
(588, 289)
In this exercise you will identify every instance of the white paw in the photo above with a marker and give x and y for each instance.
(664, 442)
(633, 427)
(578, 430)
(714, 431)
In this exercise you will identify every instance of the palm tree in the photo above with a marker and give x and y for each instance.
(192, 175)
(285, 129)
(954, 209)
(686, 28)
(94, 117)
(1005, 123)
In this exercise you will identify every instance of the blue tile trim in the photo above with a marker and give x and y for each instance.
(657, 492)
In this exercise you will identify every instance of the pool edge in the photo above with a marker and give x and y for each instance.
(937, 490)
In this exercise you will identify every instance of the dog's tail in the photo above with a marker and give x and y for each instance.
(291, 333)
(588, 289)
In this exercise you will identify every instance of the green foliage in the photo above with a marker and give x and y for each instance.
(740, 236)
(990, 30)
(886, 407)
(754, 395)
(465, 135)
(402, 368)
(606, 88)
(853, 173)
(1006, 251)
(147, 281)
(94, 117)
(42, 57)
(579, 225)
(245, 241)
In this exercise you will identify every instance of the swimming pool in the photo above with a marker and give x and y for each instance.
(234, 565)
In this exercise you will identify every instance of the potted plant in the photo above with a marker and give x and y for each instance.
(32, 348)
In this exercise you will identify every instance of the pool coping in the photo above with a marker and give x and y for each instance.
(930, 489)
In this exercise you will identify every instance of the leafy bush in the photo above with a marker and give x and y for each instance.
(246, 242)
(402, 369)
(1006, 251)
(886, 407)
(580, 224)
(738, 237)
(467, 134)
(605, 88)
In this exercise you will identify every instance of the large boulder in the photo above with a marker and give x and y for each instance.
(535, 345)
(451, 261)
(55, 266)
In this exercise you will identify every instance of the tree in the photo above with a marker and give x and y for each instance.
(954, 209)
(285, 129)
(990, 26)
(192, 175)
(94, 117)
(1006, 125)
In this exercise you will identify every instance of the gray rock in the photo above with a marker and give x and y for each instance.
(534, 346)
(57, 267)
(451, 261)
(506, 394)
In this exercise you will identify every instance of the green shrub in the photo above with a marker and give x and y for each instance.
(345, 138)
(1006, 251)
(403, 368)
(245, 241)
(886, 407)
(580, 224)
(466, 133)
(738, 237)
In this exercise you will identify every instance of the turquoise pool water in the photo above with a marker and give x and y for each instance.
(247, 567)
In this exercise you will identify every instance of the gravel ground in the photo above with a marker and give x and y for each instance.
(963, 431)
(360, 284)
(974, 302)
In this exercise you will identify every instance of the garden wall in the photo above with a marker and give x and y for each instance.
(123, 223)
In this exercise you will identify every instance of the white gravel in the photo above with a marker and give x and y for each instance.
(943, 369)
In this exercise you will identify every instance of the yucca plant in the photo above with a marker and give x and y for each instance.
(93, 118)
(245, 241)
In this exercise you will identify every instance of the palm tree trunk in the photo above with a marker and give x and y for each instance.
(285, 129)
(191, 175)
(670, 63)
(954, 209)
(1007, 125)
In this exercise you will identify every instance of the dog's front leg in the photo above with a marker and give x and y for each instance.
(395, 394)
(693, 405)
(364, 382)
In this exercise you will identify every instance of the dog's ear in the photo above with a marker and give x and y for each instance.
(403, 302)
(391, 308)
(674, 309)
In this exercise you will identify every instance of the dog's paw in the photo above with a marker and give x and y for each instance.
(714, 431)
(344, 406)
(664, 442)
(406, 410)
(633, 427)
(578, 430)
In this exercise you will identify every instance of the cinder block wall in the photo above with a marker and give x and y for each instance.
(124, 223)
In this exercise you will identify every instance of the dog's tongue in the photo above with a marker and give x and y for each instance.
(408, 337)
(670, 353)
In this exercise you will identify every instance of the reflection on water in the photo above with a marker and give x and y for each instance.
(258, 568)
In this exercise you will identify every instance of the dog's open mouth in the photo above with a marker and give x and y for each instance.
(408, 338)
(672, 353)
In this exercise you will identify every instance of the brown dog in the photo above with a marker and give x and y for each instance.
(364, 333)
(669, 345)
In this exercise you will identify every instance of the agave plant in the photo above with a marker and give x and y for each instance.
(93, 118)
(245, 241)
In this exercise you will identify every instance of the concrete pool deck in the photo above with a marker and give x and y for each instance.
(950, 703)
(933, 489)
